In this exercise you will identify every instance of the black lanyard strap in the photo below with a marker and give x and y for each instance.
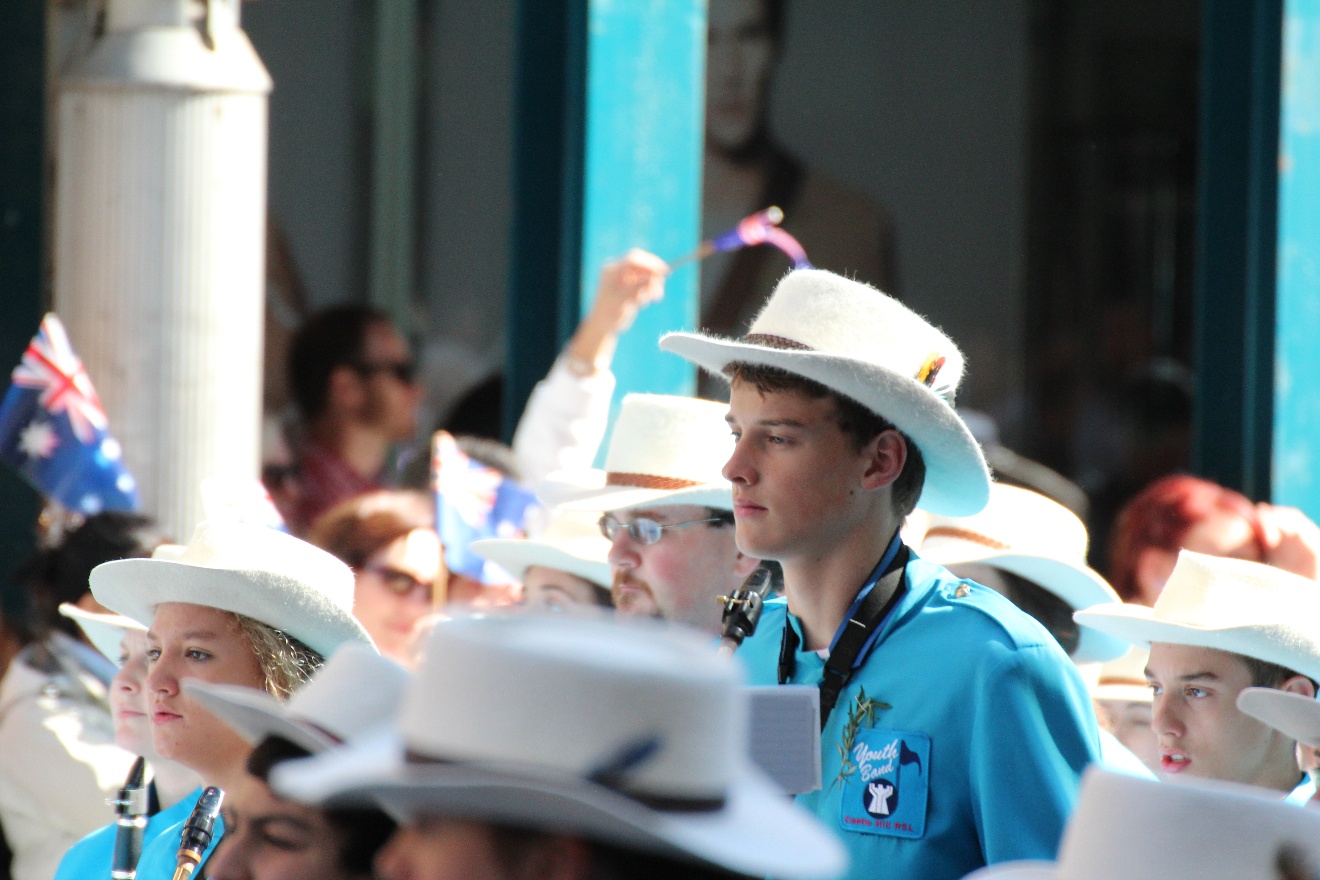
(857, 630)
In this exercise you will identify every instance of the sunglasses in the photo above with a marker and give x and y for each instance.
(398, 582)
(642, 530)
(404, 371)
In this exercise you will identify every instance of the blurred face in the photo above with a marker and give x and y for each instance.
(679, 577)
(740, 55)
(395, 590)
(269, 838)
(1130, 722)
(458, 849)
(550, 588)
(1200, 730)
(390, 402)
(128, 697)
(193, 641)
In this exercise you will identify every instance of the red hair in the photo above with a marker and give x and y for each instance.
(1161, 515)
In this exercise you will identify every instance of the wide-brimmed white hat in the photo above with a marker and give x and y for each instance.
(631, 734)
(1035, 538)
(1129, 828)
(1124, 679)
(1246, 608)
(355, 691)
(571, 542)
(104, 631)
(258, 572)
(869, 347)
(664, 450)
(1294, 715)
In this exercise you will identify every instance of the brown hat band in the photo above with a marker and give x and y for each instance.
(967, 535)
(774, 342)
(648, 481)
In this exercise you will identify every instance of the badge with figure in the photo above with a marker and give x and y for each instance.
(887, 793)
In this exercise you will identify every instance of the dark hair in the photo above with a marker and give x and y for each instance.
(60, 573)
(861, 424)
(722, 517)
(1045, 607)
(360, 832)
(327, 340)
(1269, 675)
(514, 846)
(357, 529)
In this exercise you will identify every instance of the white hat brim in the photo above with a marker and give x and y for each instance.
(516, 555)
(758, 831)
(134, 587)
(587, 490)
(1137, 625)
(957, 479)
(255, 714)
(1123, 693)
(1294, 715)
(104, 631)
(1078, 586)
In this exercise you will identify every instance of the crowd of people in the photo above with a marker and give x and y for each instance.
(988, 704)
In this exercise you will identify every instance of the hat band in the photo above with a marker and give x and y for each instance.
(1122, 681)
(967, 535)
(771, 341)
(661, 803)
(647, 481)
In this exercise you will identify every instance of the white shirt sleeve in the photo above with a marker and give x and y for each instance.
(563, 424)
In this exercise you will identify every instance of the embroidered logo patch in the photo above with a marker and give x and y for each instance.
(887, 793)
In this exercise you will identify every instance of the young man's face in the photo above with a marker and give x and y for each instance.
(680, 576)
(796, 475)
(1200, 730)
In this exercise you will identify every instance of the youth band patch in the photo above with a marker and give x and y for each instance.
(887, 794)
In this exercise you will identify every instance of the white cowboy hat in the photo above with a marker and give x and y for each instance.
(104, 631)
(258, 572)
(871, 348)
(664, 450)
(1230, 605)
(627, 734)
(1124, 679)
(1129, 828)
(1294, 715)
(1033, 537)
(355, 691)
(571, 542)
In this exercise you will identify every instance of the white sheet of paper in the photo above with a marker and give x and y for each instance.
(785, 734)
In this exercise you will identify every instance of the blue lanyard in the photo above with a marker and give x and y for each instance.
(871, 581)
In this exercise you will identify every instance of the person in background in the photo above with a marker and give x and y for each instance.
(388, 538)
(566, 564)
(59, 763)
(1122, 698)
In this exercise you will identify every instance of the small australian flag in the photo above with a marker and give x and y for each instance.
(54, 432)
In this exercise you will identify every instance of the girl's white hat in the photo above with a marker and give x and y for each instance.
(1245, 608)
(571, 542)
(1124, 679)
(664, 450)
(631, 734)
(1035, 538)
(251, 570)
(1294, 715)
(871, 348)
(104, 631)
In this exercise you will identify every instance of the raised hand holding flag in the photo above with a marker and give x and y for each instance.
(54, 432)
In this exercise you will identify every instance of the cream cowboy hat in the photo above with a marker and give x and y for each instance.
(627, 734)
(1294, 715)
(571, 542)
(869, 347)
(1033, 537)
(355, 691)
(1129, 828)
(1124, 679)
(104, 631)
(1230, 605)
(664, 450)
(251, 570)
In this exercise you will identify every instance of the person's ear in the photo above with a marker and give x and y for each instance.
(1299, 684)
(886, 455)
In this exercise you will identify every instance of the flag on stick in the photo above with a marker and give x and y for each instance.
(759, 228)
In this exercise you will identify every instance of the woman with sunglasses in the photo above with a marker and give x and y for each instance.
(239, 605)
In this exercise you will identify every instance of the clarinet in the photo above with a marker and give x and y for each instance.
(197, 832)
(742, 609)
(131, 810)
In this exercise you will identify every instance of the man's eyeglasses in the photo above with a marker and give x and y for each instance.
(398, 582)
(404, 371)
(645, 531)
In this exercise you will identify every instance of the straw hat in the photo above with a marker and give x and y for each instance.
(104, 631)
(869, 347)
(1129, 828)
(571, 542)
(355, 691)
(1231, 605)
(258, 572)
(1294, 715)
(1033, 537)
(1124, 679)
(626, 734)
(664, 450)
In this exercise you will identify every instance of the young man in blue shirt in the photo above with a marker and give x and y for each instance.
(958, 728)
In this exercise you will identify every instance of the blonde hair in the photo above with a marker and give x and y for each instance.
(285, 662)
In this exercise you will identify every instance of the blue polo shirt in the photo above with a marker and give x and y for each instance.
(959, 742)
(90, 857)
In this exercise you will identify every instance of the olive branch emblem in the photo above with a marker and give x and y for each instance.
(861, 715)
